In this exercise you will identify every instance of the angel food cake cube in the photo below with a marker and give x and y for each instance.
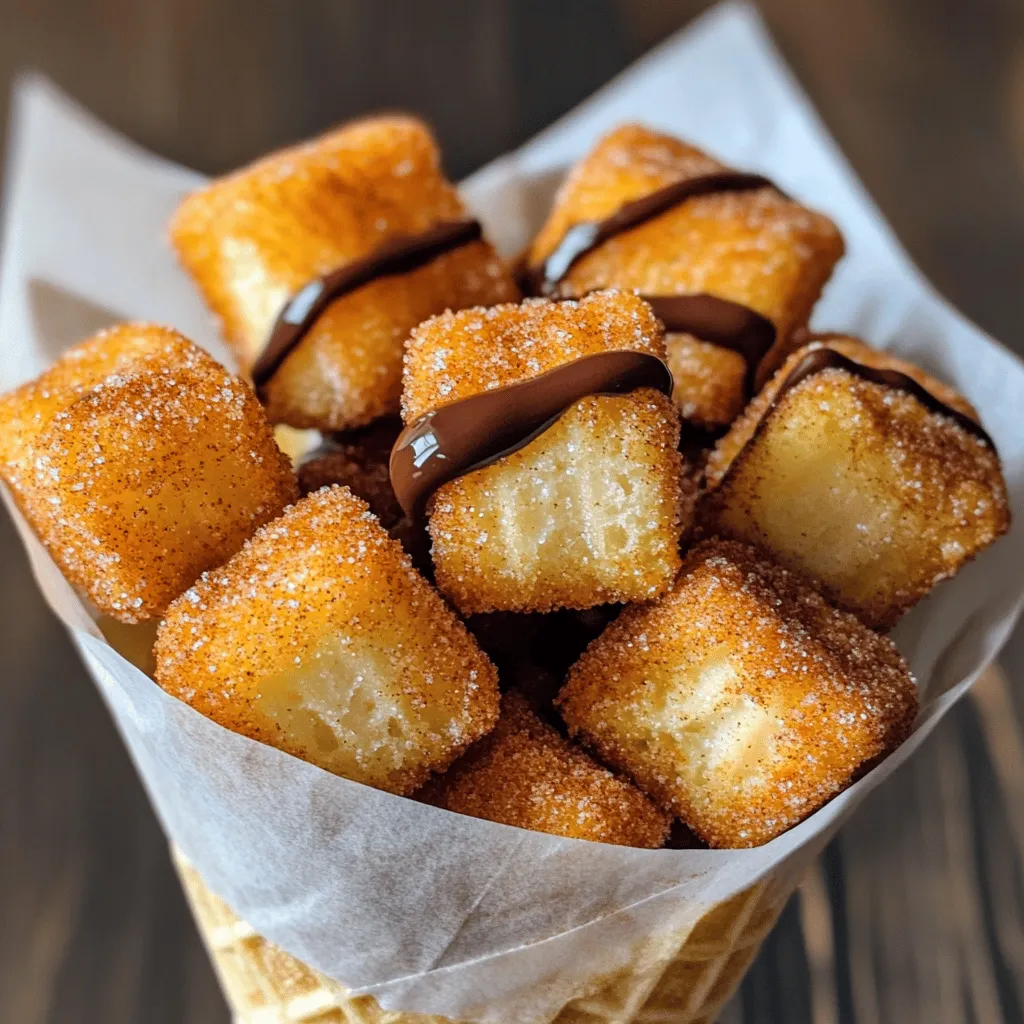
(588, 512)
(525, 774)
(321, 639)
(140, 462)
(858, 484)
(757, 248)
(254, 239)
(741, 700)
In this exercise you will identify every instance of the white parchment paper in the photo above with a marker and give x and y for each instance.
(426, 910)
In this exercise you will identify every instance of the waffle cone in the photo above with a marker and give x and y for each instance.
(686, 985)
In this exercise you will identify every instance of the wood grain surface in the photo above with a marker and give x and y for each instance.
(916, 913)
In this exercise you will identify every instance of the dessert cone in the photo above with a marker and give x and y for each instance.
(687, 984)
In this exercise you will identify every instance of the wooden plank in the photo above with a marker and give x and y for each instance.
(817, 928)
(926, 899)
(1004, 857)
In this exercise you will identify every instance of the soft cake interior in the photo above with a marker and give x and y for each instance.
(585, 514)
(588, 512)
(354, 706)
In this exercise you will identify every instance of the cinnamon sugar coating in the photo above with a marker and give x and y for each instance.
(459, 354)
(730, 444)
(592, 509)
(253, 239)
(525, 774)
(140, 462)
(320, 638)
(741, 700)
(861, 352)
(858, 484)
(710, 381)
(755, 247)
(122, 349)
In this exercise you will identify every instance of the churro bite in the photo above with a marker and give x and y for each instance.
(319, 260)
(731, 264)
(320, 638)
(741, 700)
(863, 471)
(543, 446)
(525, 774)
(140, 462)
(358, 459)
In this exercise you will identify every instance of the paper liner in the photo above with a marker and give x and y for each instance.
(408, 905)
(690, 985)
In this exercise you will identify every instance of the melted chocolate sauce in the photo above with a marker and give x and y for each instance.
(721, 322)
(476, 431)
(587, 235)
(398, 255)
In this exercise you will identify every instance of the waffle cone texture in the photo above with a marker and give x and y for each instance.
(688, 985)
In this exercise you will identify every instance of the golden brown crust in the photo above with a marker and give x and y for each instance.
(757, 248)
(348, 369)
(140, 462)
(861, 352)
(525, 774)
(252, 239)
(854, 348)
(124, 348)
(320, 638)
(710, 381)
(455, 355)
(629, 162)
(740, 700)
(858, 484)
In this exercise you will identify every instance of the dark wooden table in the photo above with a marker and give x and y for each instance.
(917, 911)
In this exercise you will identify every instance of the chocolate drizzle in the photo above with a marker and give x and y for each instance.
(820, 359)
(476, 431)
(718, 321)
(397, 255)
(721, 322)
(587, 235)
